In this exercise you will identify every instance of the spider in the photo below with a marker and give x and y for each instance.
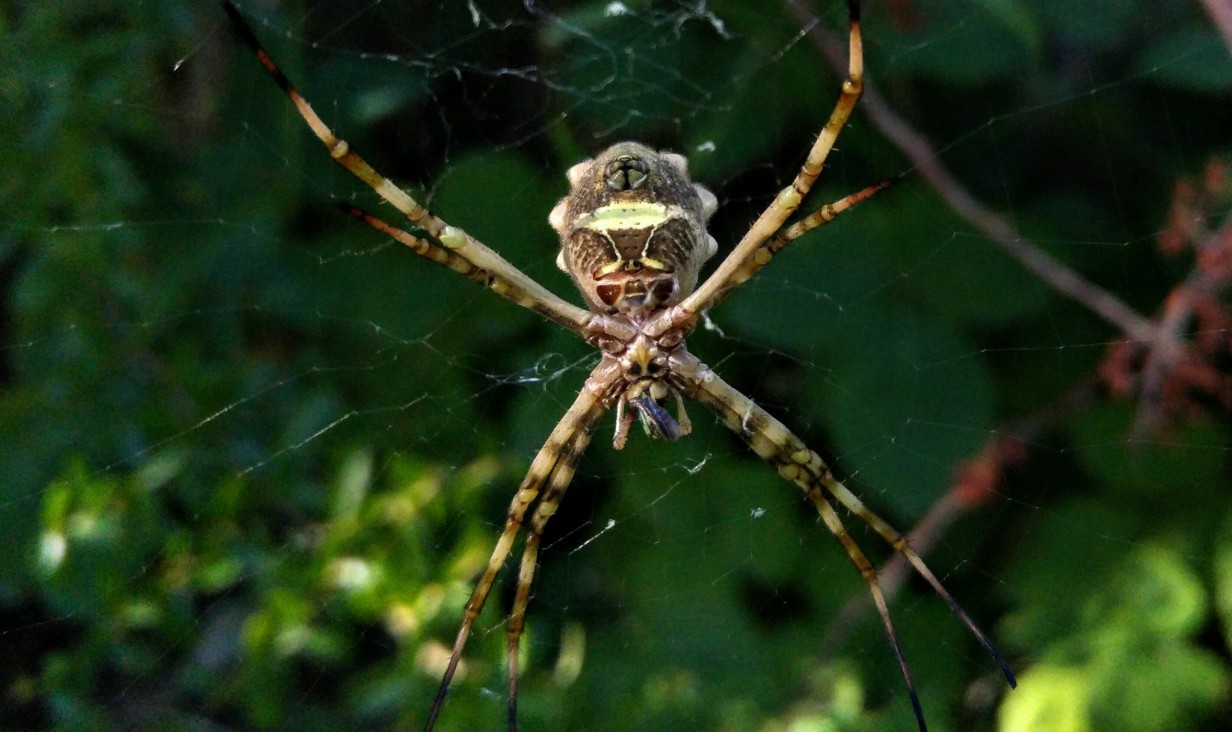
(633, 239)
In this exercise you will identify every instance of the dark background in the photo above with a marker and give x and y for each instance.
(253, 456)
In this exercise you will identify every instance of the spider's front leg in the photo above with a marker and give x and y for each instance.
(440, 242)
(775, 444)
(557, 483)
(769, 233)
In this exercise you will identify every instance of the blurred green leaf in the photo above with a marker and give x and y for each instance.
(1192, 59)
(1149, 471)
(973, 42)
(1049, 697)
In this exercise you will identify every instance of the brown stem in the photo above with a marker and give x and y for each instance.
(1168, 349)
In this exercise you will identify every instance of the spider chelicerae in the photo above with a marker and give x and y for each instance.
(633, 239)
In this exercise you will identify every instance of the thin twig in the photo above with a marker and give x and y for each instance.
(1178, 311)
(924, 158)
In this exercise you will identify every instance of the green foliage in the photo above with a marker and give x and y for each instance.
(379, 567)
(1191, 59)
(253, 456)
(1127, 658)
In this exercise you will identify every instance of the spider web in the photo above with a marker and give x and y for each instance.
(256, 454)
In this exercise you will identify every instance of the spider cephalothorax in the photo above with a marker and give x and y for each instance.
(649, 374)
(633, 238)
(633, 229)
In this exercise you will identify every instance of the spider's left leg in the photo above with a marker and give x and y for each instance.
(562, 445)
(557, 483)
(482, 265)
(442, 243)
(775, 444)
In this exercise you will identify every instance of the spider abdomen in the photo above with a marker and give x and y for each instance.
(633, 229)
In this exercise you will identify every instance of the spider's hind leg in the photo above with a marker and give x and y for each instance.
(775, 444)
(558, 482)
(554, 463)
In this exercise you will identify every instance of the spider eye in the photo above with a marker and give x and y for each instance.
(626, 173)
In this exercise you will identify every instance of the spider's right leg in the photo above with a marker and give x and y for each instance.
(762, 255)
(561, 449)
(772, 442)
(444, 244)
(734, 269)
(776, 444)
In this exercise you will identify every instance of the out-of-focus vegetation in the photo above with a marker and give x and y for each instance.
(253, 457)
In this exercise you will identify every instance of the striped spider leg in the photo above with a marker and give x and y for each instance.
(444, 244)
(633, 239)
(552, 467)
(776, 444)
(768, 437)
(767, 236)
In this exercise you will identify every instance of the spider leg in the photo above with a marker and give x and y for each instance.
(775, 444)
(557, 483)
(762, 255)
(563, 447)
(744, 258)
(448, 245)
(858, 558)
(475, 265)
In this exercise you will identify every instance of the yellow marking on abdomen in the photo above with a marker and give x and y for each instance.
(619, 265)
(618, 216)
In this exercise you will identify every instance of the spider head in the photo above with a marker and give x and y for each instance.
(633, 229)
